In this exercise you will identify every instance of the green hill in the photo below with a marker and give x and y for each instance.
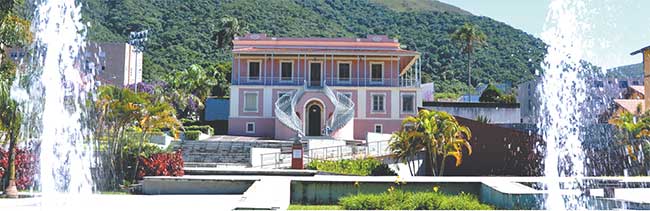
(420, 6)
(182, 31)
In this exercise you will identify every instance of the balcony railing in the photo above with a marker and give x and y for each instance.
(300, 81)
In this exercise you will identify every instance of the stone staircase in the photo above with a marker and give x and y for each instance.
(224, 153)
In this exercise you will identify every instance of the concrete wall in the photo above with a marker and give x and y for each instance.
(197, 185)
(495, 112)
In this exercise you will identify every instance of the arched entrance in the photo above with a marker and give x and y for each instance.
(314, 119)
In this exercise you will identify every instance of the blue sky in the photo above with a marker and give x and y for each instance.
(618, 26)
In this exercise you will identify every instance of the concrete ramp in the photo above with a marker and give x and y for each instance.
(269, 193)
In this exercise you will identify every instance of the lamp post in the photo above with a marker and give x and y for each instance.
(137, 40)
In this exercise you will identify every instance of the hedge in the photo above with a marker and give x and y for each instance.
(26, 163)
(161, 164)
(359, 167)
(207, 129)
(192, 135)
(400, 200)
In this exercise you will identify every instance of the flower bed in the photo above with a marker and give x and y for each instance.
(162, 164)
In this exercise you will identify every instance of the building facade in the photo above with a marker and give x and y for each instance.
(338, 87)
(113, 63)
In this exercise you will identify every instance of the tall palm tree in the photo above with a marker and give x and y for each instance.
(191, 88)
(229, 27)
(452, 137)
(471, 37)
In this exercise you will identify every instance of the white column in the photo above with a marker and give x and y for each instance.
(394, 103)
(234, 101)
(361, 103)
(268, 101)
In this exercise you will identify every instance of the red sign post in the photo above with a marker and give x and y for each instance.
(297, 155)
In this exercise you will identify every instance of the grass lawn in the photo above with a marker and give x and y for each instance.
(314, 207)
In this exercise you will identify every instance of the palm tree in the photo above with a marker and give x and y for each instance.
(11, 118)
(154, 115)
(437, 133)
(229, 27)
(404, 145)
(191, 86)
(471, 37)
(452, 137)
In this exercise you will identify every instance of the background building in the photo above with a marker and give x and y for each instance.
(338, 87)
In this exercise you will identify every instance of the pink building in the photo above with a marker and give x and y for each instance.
(340, 87)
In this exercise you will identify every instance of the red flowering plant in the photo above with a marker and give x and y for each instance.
(26, 167)
(161, 164)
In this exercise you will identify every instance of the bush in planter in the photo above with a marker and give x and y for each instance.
(192, 135)
(360, 167)
(207, 129)
(400, 200)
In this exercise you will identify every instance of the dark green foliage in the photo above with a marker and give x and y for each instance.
(188, 122)
(206, 129)
(400, 200)
(360, 167)
(491, 94)
(192, 135)
(183, 31)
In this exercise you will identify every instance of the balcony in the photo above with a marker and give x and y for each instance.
(354, 82)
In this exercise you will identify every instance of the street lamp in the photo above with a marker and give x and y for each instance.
(137, 40)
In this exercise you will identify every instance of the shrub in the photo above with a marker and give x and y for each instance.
(207, 129)
(360, 167)
(26, 167)
(188, 122)
(400, 200)
(192, 135)
(161, 164)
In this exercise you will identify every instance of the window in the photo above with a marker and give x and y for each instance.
(379, 128)
(254, 71)
(344, 72)
(378, 103)
(250, 101)
(408, 103)
(286, 69)
(376, 72)
(250, 127)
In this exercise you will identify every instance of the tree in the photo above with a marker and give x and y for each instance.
(191, 88)
(155, 114)
(491, 94)
(14, 32)
(436, 133)
(634, 132)
(229, 27)
(471, 37)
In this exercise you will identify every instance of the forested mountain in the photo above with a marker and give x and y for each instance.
(182, 32)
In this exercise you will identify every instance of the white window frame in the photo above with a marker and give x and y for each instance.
(372, 103)
(247, 124)
(381, 79)
(248, 75)
(381, 128)
(257, 103)
(338, 71)
(282, 79)
(401, 105)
